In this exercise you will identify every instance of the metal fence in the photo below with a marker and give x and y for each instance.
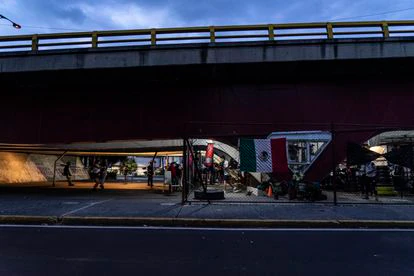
(340, 165)
(207, 34)
(389, 155)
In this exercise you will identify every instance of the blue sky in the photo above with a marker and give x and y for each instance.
(45, 16)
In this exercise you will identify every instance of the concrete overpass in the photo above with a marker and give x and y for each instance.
(210, 54)
(226, 84)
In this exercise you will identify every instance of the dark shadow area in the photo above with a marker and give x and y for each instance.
(69, 192)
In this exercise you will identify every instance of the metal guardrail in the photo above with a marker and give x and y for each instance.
(211, 34)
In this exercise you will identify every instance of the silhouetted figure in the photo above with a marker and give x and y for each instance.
(398, 178)
(150, 173)
(68, 173)
(179, 172)
(368, 179)
(95, 175)
(102, 174)
(173, 169)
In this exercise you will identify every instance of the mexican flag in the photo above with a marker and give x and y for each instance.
(263, 155)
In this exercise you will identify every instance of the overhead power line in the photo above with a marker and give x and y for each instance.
(52, 28)
(341, 18)
(49, 28)
(373, 14)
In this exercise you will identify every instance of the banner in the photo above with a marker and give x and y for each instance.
(209, 155)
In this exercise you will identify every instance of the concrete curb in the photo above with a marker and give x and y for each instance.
(196, 222)
(227, 223)
(10, 219)
(199, 222)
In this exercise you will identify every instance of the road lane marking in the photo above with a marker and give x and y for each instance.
(212, 229)
(85, 207)
(71, 203)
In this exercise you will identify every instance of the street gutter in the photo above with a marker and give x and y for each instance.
(200, 222)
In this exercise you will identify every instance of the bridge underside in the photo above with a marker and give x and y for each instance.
(220, 101)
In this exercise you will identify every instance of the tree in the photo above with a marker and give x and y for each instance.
(128, 166)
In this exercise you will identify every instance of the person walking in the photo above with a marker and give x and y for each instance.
(150, 173)
(95, 175)
(68, 173)
(102, 174)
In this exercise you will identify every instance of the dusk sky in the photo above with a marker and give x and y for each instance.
(45, 16)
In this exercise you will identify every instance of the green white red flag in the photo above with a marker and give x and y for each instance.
(263, 155)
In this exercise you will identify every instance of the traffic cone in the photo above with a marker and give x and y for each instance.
(269, 191)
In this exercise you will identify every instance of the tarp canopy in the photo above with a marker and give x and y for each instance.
(402, 156)
(358, 155)
(392, 137)
(170, 147)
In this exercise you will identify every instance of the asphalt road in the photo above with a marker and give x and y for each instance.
(148, 251)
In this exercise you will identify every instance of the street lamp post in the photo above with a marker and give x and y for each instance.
(15, 25)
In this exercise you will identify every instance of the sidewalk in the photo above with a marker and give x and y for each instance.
(141, 207)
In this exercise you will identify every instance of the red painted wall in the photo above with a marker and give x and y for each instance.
(63, 111)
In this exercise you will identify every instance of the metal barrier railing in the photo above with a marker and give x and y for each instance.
(211, 34)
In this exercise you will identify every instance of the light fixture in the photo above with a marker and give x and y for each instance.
(15, 25)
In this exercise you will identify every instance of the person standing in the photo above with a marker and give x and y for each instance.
(179, 173)
(224, 168)
(370, 173)
(398, 178)
(220, 170)
(68, 173)
(173, 170)
(150, 173)
(225, 165)
(212, 172)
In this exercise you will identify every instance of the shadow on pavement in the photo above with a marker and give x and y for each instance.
(85, 190)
